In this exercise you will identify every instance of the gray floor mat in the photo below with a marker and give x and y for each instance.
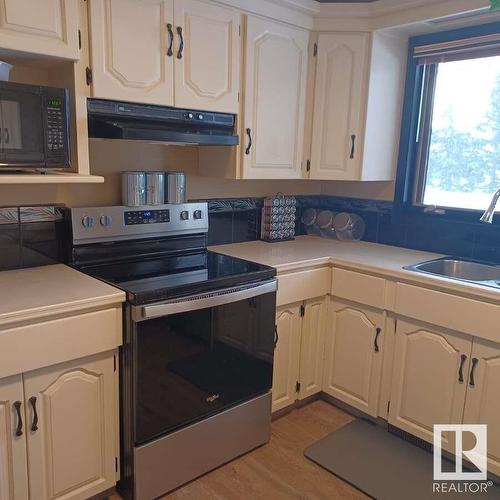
(382, 465)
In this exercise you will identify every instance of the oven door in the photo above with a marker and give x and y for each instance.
(200, 355)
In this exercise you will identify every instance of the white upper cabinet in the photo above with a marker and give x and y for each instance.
(275, 91)
(357, 106)
(207, 69)
(130, 56)
(46, 27)
(338, 106)
(168, 52)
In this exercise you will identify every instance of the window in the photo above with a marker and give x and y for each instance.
(453, 156)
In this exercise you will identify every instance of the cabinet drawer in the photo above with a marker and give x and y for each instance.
(30, 347)
(361, 288)
(449, 311)
(303, 285)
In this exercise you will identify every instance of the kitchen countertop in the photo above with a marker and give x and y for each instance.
(310, 251)
(38, 292)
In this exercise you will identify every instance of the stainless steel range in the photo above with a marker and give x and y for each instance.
(199, 336)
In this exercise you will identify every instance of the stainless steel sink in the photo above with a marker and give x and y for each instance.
(472, 271)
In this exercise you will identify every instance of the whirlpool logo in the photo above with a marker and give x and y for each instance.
(212, 398)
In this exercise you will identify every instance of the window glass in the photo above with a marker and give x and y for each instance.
(460, 166)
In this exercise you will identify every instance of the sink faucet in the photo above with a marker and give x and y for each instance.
(487, 217)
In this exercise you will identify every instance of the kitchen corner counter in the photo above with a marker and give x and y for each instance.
(374, 258)
(38, 292)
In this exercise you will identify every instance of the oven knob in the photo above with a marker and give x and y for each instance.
(88, 221)
(197, 214)
(200, 116)
(184, 215)
(106, 220)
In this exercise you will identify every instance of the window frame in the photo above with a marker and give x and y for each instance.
(409, 164)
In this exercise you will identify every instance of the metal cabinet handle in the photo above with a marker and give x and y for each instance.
(19, 430)
(249, 147)
(170, 52)
(463, 358)
(34, 424)
(353, 145)
(7, 135)
(375, 342)
(276, 337)
(181, 46)
(472, 382)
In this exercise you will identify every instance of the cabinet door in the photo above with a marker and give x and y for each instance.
(129, 43)
(13, 459)
(72, 451)
(286, 356)
(207, 73)
(312, 346)
(339, 106)
(429, 379)
(275, 84)
(353, 366)
(47, 27)
(482, 404)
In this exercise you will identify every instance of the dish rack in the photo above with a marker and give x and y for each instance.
(278, 218)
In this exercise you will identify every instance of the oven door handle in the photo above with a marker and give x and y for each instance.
(202, 301)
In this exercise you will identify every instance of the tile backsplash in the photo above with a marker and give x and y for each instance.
(33, 236)
(471, 240)
(30, 236)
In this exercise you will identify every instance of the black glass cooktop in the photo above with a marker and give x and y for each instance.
(149, 279)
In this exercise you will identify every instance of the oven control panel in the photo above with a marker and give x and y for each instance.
(105, 224)
(147, 217)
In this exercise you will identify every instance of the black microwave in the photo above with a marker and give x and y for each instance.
(34, 126)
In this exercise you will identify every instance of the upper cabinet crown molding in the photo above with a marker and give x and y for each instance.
(295, 12)
(389, 13)
(45, 27)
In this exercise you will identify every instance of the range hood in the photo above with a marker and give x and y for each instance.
(160, 124)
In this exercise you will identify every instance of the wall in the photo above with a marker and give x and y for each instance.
(110, 158)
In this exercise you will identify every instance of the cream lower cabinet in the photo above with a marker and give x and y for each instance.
(299, 353)
(45, 27)
(354, 355)
(168, 52)
(13, 457)
(274, 106)
(286, 356)
(482, 403)
(429, 380)
(68, 418)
